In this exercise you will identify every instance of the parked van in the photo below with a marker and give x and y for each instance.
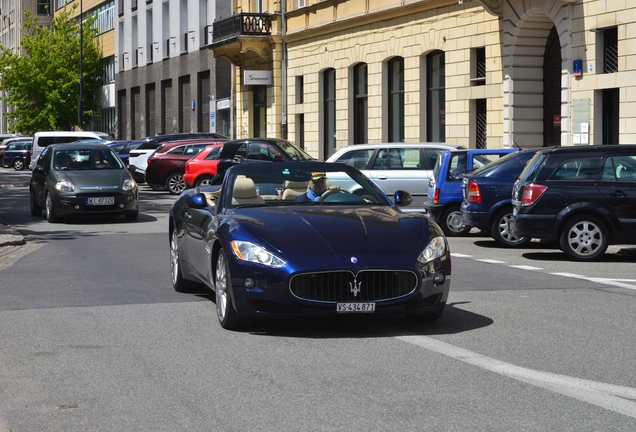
(42, 140)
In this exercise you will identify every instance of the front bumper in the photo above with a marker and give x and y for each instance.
(68, 205)
(434, 210)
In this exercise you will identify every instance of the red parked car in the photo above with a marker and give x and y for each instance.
(201, 169)
(166, 165)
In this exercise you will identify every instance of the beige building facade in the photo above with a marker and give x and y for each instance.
(481, 73)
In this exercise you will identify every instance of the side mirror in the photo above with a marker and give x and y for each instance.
(402, 198)
(197, 201)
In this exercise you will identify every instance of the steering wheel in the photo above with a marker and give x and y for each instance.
(330, 192)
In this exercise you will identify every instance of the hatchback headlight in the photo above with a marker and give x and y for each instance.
(251, 252)
(128, 185)
(436, 248)
(64, 186)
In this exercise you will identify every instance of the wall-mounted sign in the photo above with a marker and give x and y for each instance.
(577, 68)
(223, 104)
(257, 77)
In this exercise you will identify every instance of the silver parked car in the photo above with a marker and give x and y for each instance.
(396, 166)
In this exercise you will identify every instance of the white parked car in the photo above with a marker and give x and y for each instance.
(396, 166)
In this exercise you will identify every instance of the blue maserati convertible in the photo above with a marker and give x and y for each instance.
(306, 238)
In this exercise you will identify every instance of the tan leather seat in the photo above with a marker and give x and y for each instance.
(293, 189)
(245, 192)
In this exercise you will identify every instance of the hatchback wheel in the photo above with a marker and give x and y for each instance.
(584, 238)
(50, 212)
(36, 210)
(175, 183)
(500, 231)
(452, 223)
(18, 164)
(205, 181)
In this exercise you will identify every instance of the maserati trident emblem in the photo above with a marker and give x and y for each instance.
(355, 287)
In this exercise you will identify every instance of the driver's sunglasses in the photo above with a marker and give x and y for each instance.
(320, 181)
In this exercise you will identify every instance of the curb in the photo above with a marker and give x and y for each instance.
(10, 237)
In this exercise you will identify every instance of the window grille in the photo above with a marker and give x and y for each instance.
(481, 124)
(610, 52)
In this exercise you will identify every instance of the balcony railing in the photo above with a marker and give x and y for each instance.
(251, 24)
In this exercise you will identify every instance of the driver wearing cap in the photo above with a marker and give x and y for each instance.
(317, 188)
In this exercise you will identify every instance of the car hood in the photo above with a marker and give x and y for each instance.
(111, 179)
(335, 230)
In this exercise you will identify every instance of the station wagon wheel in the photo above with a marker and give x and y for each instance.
(205, 181)
(50, 213)
(500, 231)
(584, 238)
(175, 183)
(452, 223)
(18, 164)
(36, 210)
(228, 317)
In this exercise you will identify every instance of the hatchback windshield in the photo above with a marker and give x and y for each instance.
(86, 159)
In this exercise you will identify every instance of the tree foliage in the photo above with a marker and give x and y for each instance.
(42, 80)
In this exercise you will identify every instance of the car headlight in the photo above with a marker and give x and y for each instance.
(64, 186)
(247, 251)
(436, 248)
(128, 185)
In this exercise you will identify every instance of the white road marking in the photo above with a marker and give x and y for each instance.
(491, 261)
(526, 267)
(612, 397)
(606, 281)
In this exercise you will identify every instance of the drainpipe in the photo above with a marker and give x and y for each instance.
(283, 120)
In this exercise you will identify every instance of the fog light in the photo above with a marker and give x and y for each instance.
(77, 207)
(439, 278)
(121, 206)
(249, 283)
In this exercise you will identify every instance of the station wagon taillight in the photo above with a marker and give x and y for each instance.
(531, 193)
(474, 194)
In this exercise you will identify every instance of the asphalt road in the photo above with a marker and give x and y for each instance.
(92, 337)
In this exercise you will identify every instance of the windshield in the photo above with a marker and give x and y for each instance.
(292, 151)
(288, 184)
(86, 159)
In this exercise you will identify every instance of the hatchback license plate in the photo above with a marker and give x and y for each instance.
(355, 307)
(100, 201)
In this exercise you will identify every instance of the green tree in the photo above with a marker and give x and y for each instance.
(42, 80)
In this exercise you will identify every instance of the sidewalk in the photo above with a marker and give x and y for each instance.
(10, 237)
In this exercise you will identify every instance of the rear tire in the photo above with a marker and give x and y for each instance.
(584, 238)
(36, 210)
(451, 223)
(228, 317)
(205, 181)
(500, 231)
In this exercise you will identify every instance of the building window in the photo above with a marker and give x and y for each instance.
(329, 112)
(435, 97)
(135, 102)
(300, 90)
(478, 66)
(108, 69)
(44, 7)
(396, 99)
(610, 50)
(166, 92)
(105, 18)
(297, 4)
(360, 104)
(121, 116)
(300, 130)
(260, 111)
(151, 101)
(481, 124)
(203, 110)
(185, 103)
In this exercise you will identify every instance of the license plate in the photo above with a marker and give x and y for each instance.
(355, 307)
(100, 201)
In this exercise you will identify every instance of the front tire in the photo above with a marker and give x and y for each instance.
(175, 184)
(36, 210)
(584, 238)
(132, 216)
(228, 317)
(18, 164)
(51, 217)
(452, 223)
(500, 231)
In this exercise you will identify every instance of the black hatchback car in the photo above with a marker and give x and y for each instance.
(17, 154)
(584, 197)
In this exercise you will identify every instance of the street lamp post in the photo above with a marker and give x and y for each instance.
(80, 102)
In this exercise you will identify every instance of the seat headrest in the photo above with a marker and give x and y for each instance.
(295, 185)
(244, 188)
